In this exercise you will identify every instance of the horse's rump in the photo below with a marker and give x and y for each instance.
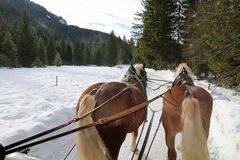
(194, 140)
(188, 109)
(90, 144)
(175, 96)
(90, 89)
(130, 97)
(116, 130)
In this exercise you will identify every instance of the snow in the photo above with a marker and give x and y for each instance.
(31, 102)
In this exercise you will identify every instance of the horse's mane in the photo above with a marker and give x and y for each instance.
(128, 76)
(138, 68)
(179, 69)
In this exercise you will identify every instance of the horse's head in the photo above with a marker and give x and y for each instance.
(183, 75)
(136, 73)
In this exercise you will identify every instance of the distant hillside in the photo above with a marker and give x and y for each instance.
(32, 36)
(11, 10)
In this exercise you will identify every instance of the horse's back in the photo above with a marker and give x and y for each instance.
(202, 95)
(172, 103)
(206, 104)
(128, 97)
(90, 89)
(114, 133)
(176, 95)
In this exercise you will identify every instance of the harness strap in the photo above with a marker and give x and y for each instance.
(101, 121)
(63, 125)
(142, 85)
(50, 138)
(40, 134)
(153, 79)
(154, 136)
(2, 152)
(133, 154)
(146, 137)
(70, 151)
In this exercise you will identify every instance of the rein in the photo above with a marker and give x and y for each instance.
(146, 137)
(133, 154)
(160, 80)
(8, 149)
(74, 120)
(152, 80)
(159, 123)
(99, 122)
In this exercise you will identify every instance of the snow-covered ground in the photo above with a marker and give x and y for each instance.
(31, 102)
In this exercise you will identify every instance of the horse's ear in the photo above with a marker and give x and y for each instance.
(144, 65)
(132, 67)
(176, 63)
(184, 71)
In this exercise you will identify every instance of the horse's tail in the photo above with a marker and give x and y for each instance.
(90, 144)
(194, 141)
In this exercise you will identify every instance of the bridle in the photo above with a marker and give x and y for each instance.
(183, 78)
(142, 80)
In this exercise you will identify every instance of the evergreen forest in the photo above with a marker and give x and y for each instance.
(205, 34)
(30, 36)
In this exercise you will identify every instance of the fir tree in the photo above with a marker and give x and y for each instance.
(86, 55)
(42, 52)
(37, 62)
(96, 51)
(156, 46)
(62, 49)
(213, 40)
(111, 50)
(51, 50)
(78, 53)
(58, 60)
(68, 58)
(26, 42)
(10, 50)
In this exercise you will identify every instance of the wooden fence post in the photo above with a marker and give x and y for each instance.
(209, 86)
(56, 80)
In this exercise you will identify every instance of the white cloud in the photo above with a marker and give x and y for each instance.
(102, 15)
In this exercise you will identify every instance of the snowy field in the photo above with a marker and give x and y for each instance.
(31, 102)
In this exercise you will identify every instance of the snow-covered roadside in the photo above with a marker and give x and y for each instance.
(30, 102)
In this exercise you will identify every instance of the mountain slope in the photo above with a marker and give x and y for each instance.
(11, 10)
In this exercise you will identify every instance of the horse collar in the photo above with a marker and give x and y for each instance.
(183, 78)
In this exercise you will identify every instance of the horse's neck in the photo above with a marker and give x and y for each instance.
(139, 85)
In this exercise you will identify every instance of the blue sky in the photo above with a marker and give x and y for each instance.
(102, 15)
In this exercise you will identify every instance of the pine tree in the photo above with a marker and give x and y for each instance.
(51, 50)
(10, 50)
(68, 59)
(26, 42)
(62, 49)
(3, 58)
(111, 50)
(78, 53)
(181, 14)
(43, 52)
(96, 51)
(132, 49)
(58, 60)
(124, 51)
(37, 62)
(156, 46)
(214, 40)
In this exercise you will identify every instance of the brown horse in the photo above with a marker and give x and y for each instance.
(187, 108)
(104, 142)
